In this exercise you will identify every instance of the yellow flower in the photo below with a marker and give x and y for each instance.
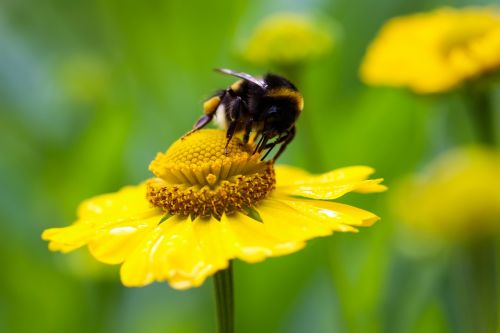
(457, 197)
(288, 39)
(205, 208)
(434, 52)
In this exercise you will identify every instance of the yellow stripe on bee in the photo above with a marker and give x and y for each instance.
(301, 103)
(288, 93)
(236, 86)
(211, 105)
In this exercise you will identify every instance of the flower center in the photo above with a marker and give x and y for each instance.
(196, 177)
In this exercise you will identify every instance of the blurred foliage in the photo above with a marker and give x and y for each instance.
(91, 90)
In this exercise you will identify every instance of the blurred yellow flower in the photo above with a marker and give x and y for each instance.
(456, 198)
(289, 39)
(434, 52)
(206, 208)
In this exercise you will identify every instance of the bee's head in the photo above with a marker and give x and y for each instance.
(278, 118)
(281, 106)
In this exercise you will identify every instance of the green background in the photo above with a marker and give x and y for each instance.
(91, 90)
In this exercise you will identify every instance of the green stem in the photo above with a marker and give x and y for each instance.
(482, 113)
(480, 257)
(484, 270)
(224, 296)
(474, 284)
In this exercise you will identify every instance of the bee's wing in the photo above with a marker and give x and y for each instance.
(243, 76)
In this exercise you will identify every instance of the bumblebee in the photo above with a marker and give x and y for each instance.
(269, 107)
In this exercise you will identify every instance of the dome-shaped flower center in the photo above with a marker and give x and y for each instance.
(197, 178)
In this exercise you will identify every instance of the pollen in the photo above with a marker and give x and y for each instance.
(198, 176)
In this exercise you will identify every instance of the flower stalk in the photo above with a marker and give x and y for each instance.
(473, 281)
(480, 107)
(224, 297)
(481, 256)
(484, 270)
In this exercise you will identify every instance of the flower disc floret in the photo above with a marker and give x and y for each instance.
(198, 176)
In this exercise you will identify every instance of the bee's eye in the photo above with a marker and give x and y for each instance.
(273, 115)
(273, 111)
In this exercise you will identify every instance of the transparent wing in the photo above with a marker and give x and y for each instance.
(243, 76)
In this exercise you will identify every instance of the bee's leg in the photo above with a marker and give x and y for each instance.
(203, 121)
(209, 108)
(258, 144)
(269, 147)
(248, 130)
(286, 140)
(281, 139)
(262, 143)
(236, 109)
(229, 133)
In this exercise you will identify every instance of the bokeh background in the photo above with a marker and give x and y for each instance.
(91, 90)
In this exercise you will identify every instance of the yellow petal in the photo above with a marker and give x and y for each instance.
(322, 192)
(327, 186)
(180, 257)
(69, 238)
(170, 252)
(371, 186)
(113, 242)
(327, 191)
(253, 241)
(137, 269)
(280, 218)
(129, 202)
(339, 217)
(435, 51)
(185, 252)
(286, 175)
(107, 222)
(353, 173)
